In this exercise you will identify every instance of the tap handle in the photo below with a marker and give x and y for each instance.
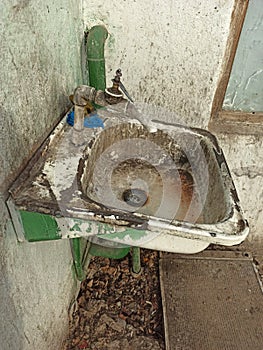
(118, 75)
(117, 80)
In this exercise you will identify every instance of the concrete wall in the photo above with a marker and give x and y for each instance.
(40, 66)
(244, 92)
(170, 51)
(36, 287)
(245, 158)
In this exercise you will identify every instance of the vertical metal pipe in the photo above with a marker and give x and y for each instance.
(136, 260)
(77, 258)
(96, 38)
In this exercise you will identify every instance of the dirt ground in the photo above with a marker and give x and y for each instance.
(116, 310)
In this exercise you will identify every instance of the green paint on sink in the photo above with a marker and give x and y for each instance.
(133, 233)
(39, 227)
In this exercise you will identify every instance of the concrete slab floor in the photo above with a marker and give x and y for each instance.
(208, 298)
(255, 248)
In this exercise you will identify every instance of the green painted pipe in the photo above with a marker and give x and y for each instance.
(108, 252)
(77, 258)
(136, 260)
(96, 38)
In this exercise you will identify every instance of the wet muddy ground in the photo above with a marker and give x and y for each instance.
(116, 310)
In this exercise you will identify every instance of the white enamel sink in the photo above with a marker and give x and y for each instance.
(173, 178)
(139, 182)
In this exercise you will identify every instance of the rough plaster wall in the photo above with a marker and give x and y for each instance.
(170, 51)
(245, 90)
(245, 87)
(35, 291)
(245, 158)
(40, 66)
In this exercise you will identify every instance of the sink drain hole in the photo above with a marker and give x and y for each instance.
(135, 197)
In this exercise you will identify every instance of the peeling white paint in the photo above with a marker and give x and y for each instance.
(42, 190)
(61, 175)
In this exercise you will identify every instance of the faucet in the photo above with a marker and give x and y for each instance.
(96, 91)
(113, 95)
(82, 99)
(84, 95)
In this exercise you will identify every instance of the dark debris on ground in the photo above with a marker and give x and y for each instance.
(116, 310)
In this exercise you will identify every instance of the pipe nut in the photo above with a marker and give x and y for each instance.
(83, 94)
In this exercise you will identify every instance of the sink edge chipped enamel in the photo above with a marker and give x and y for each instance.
(60, 197)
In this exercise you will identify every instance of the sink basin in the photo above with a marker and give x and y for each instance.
(150, 184)
(173, 177)
(177, 174)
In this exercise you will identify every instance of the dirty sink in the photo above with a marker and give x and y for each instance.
(139, 181)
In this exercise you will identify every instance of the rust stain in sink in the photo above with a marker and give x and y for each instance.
(166, 189)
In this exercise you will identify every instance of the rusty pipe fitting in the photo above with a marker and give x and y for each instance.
(83, 94)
